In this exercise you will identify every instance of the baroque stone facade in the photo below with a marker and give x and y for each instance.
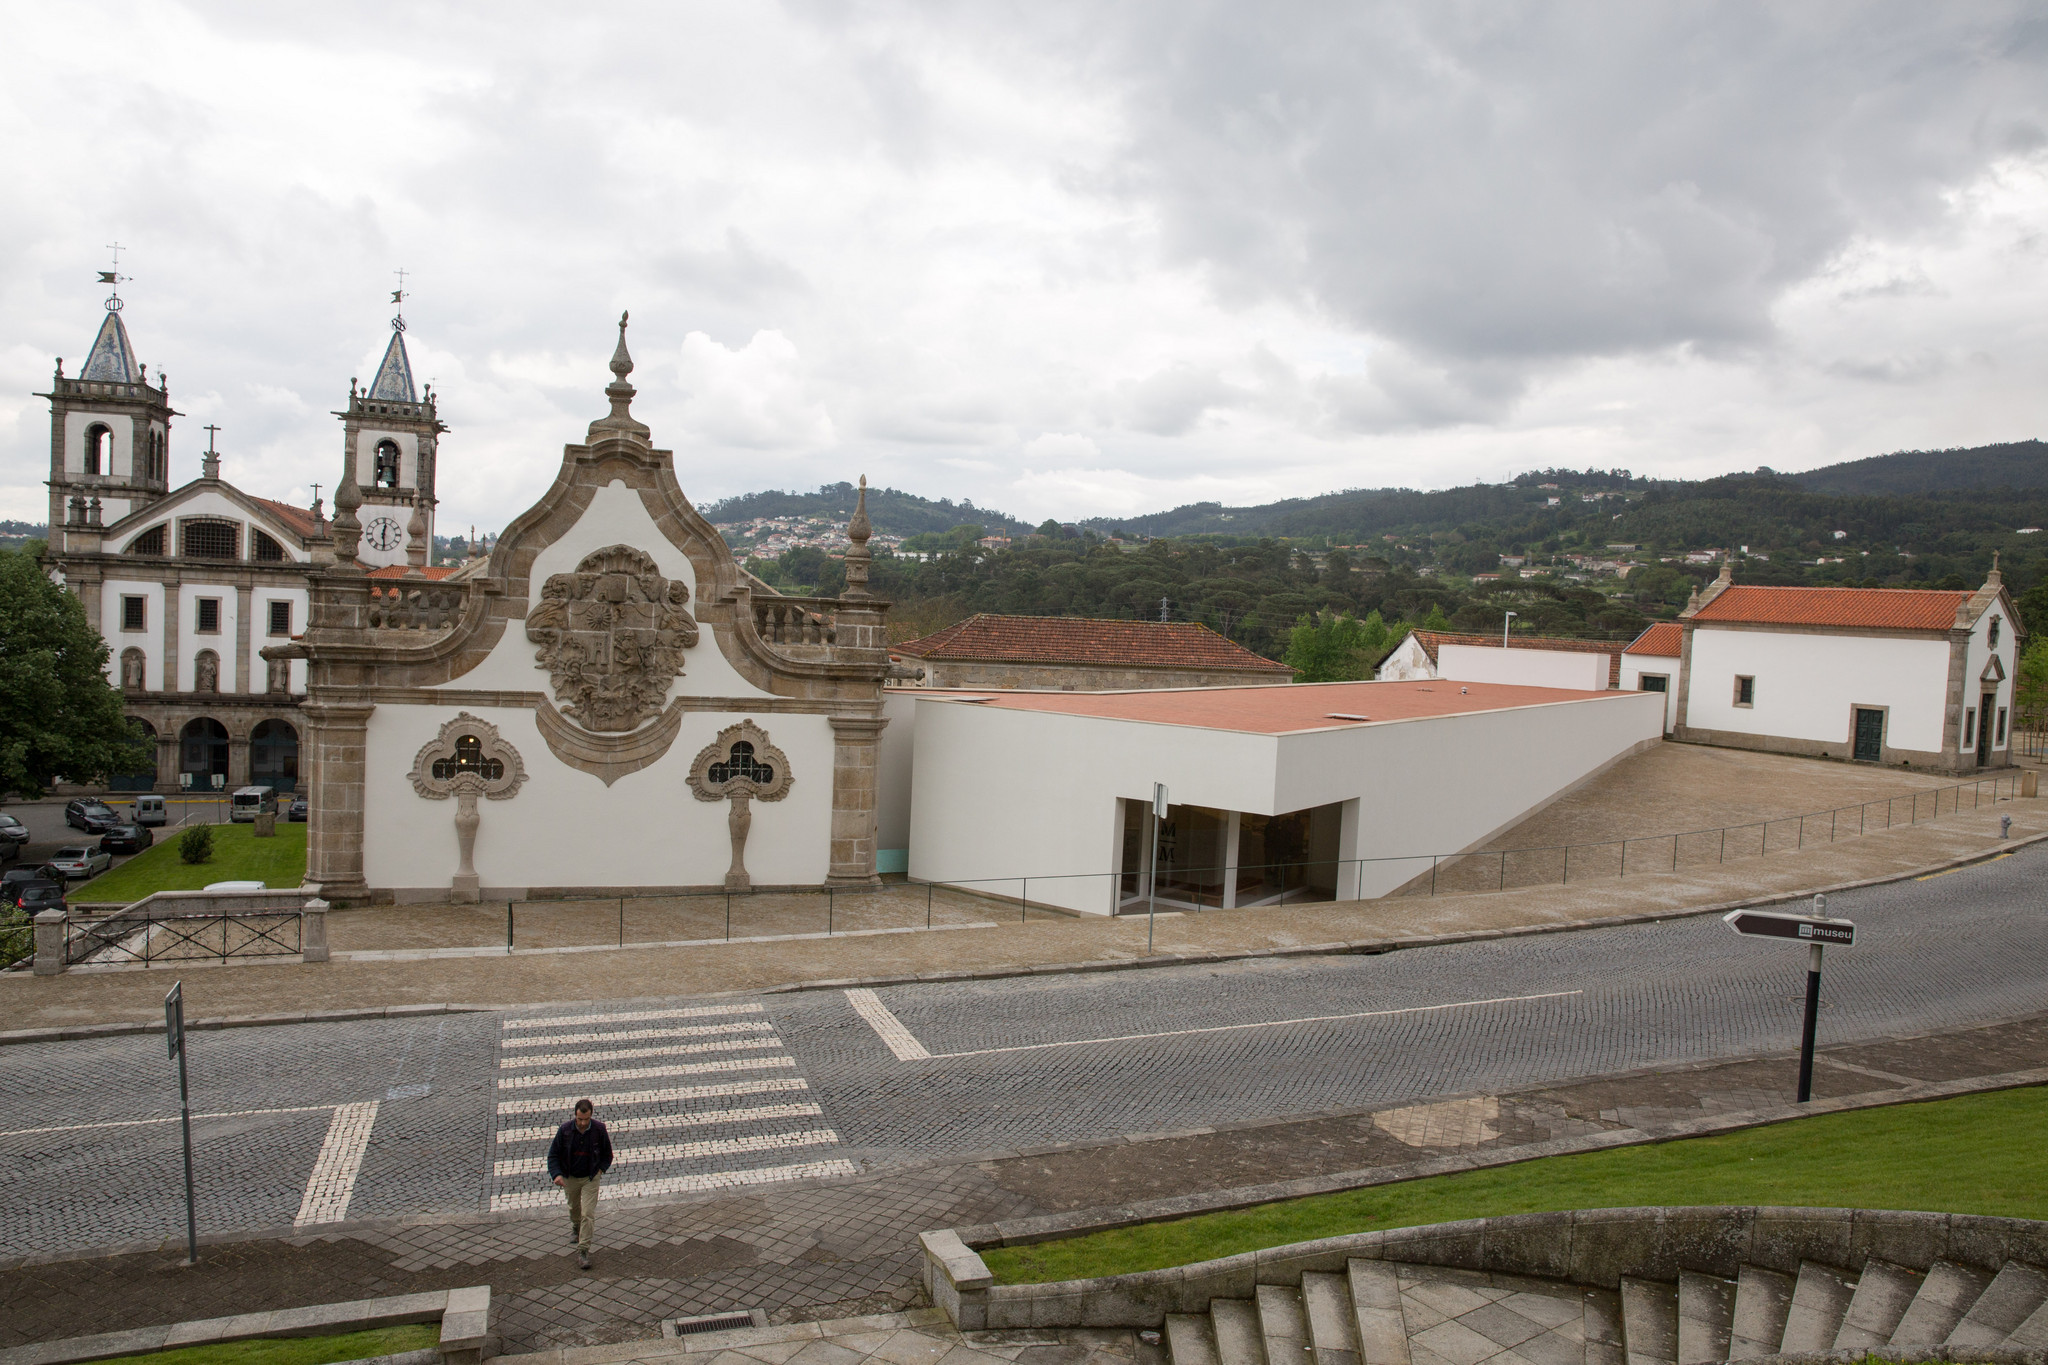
(610, 640)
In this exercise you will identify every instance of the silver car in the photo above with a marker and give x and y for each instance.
(79, 863)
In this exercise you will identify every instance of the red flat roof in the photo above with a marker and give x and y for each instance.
(1278, 709)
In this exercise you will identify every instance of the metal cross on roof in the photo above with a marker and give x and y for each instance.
(210, 431)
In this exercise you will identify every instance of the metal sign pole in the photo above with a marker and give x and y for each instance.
(1812, 1021)
(174, 1032)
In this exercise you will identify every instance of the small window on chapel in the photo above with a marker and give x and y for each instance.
(1745, 691)
(469, 758)
(135, 613)
(1994, 632)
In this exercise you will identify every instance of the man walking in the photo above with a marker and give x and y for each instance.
(577, 1159)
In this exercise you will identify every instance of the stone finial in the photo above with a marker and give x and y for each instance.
(416, 538)
(858, 556)
(1994, 579)
(60, 367)
(620, 392)
(348, 532)
(1727, 574)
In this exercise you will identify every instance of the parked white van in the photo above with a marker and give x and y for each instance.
(249, 802)
(150, 810)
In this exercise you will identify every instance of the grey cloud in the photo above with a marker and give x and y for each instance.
(1170, 400)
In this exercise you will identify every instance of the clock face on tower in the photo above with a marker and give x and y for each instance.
(382, 533)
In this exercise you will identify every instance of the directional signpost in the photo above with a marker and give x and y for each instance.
(1816, 930)
(174, 1033)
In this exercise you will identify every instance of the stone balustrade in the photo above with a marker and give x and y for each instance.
(797, 620)
(414, 605)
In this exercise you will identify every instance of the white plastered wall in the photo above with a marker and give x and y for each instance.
(1407, 663)
(221, 642)
(1011, 794)
(1524, 667)
(150, 639)
(565, 828)
(260, 636)
(1808, 684)
(1634, 666)
(1976, 659)
(894, 770)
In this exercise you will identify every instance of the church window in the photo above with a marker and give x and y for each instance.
(262, 547)
(280, 618)
(387, 464)
(209, 616)
(211, 540)
(150, 542)
(135, 613)
(1994, 632)
(740, 762)
(99, 450)
(469, 758)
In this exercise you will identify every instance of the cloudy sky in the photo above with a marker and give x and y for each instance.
(1062, 259)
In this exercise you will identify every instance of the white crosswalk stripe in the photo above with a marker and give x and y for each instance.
(567, 1054)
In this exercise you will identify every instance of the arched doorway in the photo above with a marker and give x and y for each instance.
(143, 779)
(274, 756)
(203, 753)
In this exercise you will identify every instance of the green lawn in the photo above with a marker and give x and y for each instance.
(237, 856)
(384, 1341)
(1976, 1154)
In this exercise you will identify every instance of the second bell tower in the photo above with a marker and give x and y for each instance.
(390, 441)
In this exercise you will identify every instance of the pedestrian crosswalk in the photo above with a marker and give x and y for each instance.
(684, 1113)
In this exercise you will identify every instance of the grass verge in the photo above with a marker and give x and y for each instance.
(1974, 1154)
(383, 1341)
(238, 855)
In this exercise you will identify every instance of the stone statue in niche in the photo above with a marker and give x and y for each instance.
(467, 760)
(279, 678)
(206, 672)
(131, 670)
(740, 766)
(612, 636)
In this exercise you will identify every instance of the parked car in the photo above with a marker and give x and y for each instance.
(127, 839)
(18, 877)
(92, 816)
(80, 861)
(150, 810)
(297, 809)
(13, 830)
(35, 897)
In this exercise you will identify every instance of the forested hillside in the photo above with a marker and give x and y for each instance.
(2016, 464)
(892, 511)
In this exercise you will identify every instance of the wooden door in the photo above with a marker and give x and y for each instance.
(1869, 735)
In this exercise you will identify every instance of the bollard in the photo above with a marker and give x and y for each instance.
(2005, 827)
(313, 931)
(2030, 782)
(50, 955)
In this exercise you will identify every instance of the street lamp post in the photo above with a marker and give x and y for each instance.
(1504, 627)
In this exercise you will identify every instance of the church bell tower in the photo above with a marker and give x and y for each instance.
(390, 436)
(110, 431)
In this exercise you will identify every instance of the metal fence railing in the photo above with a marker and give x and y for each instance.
(214, 935)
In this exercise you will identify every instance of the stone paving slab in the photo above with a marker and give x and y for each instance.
(838, 1249)
(1048, 945)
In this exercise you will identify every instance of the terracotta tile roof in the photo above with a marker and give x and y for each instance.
(1877, 608)
(1278, 709)
(1078, 640)
(1431, 640)
(300, 519)
(436, 573)
(1660, 641)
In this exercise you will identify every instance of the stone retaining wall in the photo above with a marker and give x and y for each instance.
(1586, 1246)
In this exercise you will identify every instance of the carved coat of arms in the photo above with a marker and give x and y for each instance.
(612, 636)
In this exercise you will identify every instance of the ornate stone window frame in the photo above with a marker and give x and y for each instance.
(466, 786)
(711, 779)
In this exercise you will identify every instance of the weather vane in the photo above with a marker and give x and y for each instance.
(398, 298)
(114, 277)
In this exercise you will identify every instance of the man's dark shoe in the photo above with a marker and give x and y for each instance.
(575, 1232)
(583, 1259)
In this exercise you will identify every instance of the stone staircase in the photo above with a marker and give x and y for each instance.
(1392, 1313)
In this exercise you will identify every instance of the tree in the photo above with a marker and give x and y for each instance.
(1436, 620)
(1338, 648)
(59, 717)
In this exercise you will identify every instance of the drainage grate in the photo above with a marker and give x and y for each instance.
(713, 1322)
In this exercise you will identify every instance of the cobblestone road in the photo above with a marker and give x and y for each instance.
(316, 1124)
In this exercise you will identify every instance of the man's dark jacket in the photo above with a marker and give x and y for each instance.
(579, 1154)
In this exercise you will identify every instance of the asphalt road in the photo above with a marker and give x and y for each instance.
(314, 1124)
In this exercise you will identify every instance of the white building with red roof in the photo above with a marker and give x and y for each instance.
(1901, 676)
(1650, 664)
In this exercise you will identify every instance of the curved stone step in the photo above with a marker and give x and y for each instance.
(1283, 1325)
(2012, 1297)
(1883, 1294)
(1706, 1317)
(1948, 1292)
(1236, 1326)
(1649, 1321)
(2031, 1335)
(1332, 1336)
(1376, 1312)
(1762, 1299)
(1820, 1300)
(1189, 1341)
